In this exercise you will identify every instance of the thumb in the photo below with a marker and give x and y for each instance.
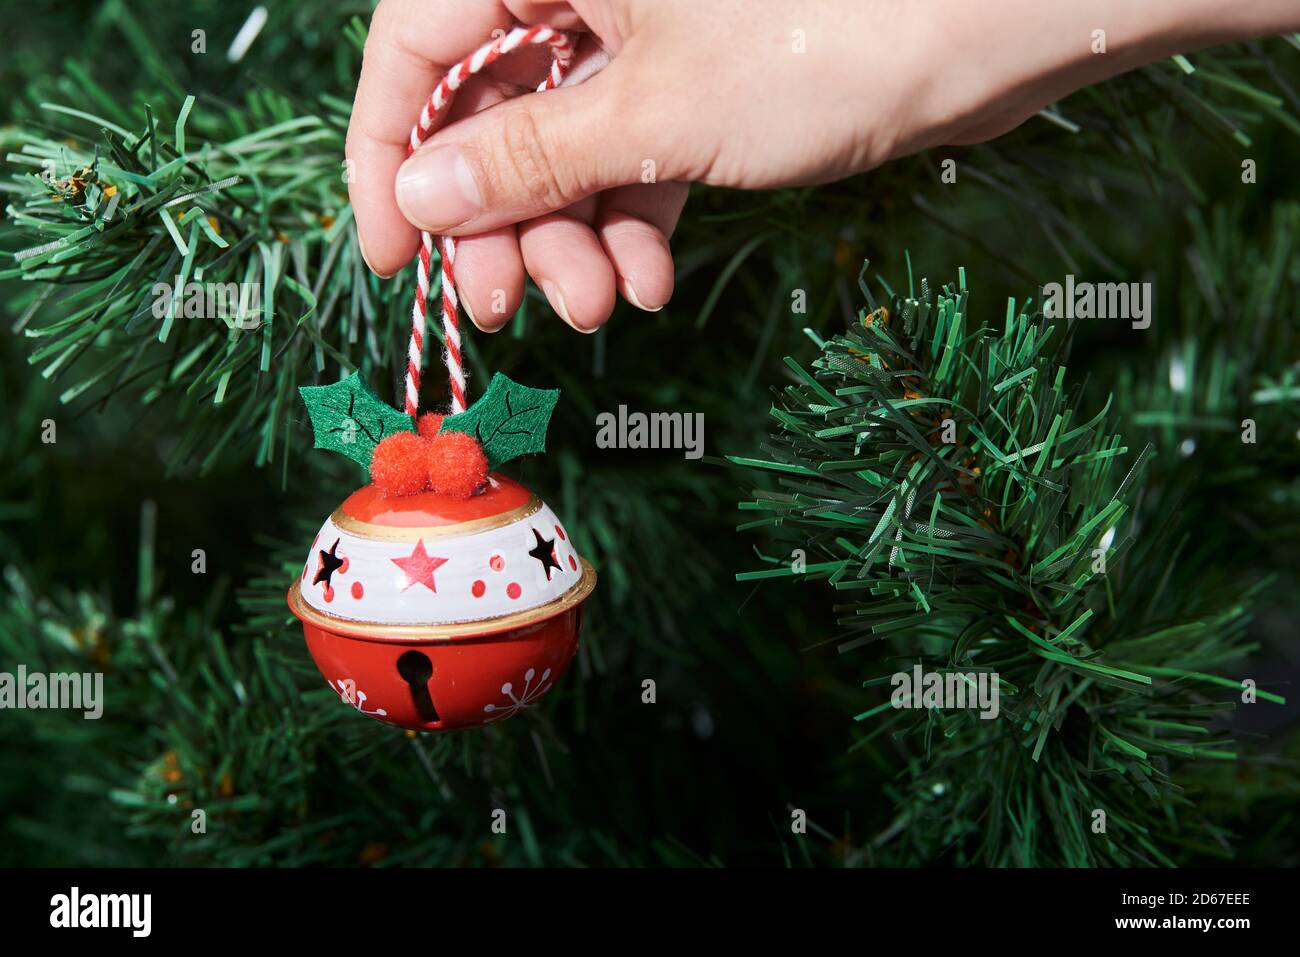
(523, 158)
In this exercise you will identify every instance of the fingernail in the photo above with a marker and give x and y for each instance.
(556, 299)
(464, 304)
(629, 291)
(365, 258)
(436, 189)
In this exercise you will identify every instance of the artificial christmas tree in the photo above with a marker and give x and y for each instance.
(193, 432)
(967, 513)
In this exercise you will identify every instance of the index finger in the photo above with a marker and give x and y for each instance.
(411, 44)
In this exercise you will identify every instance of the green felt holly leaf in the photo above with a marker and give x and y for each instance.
(508, 420)
(350, 419)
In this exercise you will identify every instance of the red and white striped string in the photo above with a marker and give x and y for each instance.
(561, 45)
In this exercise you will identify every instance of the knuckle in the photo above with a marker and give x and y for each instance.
(525, 165)
(385, 16)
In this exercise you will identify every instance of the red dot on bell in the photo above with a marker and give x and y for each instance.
(357, 590)
(573, 563)
(513, 590)
(478, 588)
(343, 569)
(329, 593)
(496, 563)
(559, 531)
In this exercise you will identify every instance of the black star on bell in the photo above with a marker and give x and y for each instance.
(329, 564)
(544, 552)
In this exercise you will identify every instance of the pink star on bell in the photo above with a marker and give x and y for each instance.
(419, 567)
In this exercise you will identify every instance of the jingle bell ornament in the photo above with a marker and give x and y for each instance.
(442, 595)
(432, 612)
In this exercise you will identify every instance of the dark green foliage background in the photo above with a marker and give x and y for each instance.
(214, 703)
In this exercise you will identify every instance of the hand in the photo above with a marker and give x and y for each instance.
(581, 187)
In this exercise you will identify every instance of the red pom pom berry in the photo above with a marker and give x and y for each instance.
(456, 465)
(429, 424)
(398, 467)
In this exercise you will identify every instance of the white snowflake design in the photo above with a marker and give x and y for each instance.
(526, 699)
(347, 689)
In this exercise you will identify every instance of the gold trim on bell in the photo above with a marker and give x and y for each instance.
(463, 629)
(414, 533)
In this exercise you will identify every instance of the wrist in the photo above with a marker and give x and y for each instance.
(993, 65)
